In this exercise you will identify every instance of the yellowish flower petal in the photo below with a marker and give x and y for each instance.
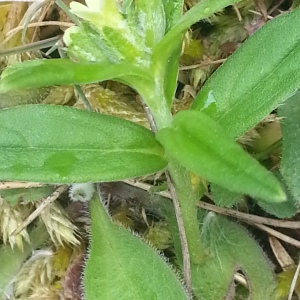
(96, 5)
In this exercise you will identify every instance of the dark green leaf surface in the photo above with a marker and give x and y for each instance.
(290, 126)
(56, 144)
(201, 145)
(122, 266)
(259, 76)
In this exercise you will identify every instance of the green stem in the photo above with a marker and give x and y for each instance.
(187, 199)
(181, 179)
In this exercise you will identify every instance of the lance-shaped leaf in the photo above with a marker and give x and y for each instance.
(57, 144)
(259, 76)
(201, 145)
(290, 162)
(39, 73)
(231, 249)
(166, 53)
(122, 266)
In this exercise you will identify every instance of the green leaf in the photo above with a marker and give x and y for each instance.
(224, 197)
(290, 126)
(201, 145)
(13, 196)
(166, 53)
(286, 209)
(173, 10)
(259, 76)
(231, 249)
(39, 73)
(57, 144)
(122, 266)
(152, 21)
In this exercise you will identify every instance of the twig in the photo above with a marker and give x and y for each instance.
(237, 12)
(147, 187)
(37, 24)
(38, 211)
(30, 47)
(259, 14)
(248, 217)
(182, 235)
(215, 62)
(278, 234)
(8, 185)
(294, 282)
(77, 88)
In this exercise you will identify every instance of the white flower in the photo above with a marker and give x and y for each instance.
(99, 12)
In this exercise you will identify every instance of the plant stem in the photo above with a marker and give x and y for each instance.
(187, 199)
(181, 183)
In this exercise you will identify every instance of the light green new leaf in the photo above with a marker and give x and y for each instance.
(259, 76)
(39, 73)
(201, 145)
(231, 249)
(122, 266)
(290, 126)
(57, 144)
(166, 53)
(152, 20)
(173, 11)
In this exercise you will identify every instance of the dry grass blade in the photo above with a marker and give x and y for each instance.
(38, 270)
(284, 259)
(278, 234)
(38, 24)
(10, 219)
(249, 218)
(294, 282)
(7, 185)
(39, 210)
(30, 47)
(61, 230)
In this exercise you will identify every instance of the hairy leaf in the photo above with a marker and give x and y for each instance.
(56, 144)
(231, 249)
(224, 197)
(201, 145)
(166, 53)
(290, 126)
(259, 76)
(39, 73)
(122, 266)
(285, 209)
